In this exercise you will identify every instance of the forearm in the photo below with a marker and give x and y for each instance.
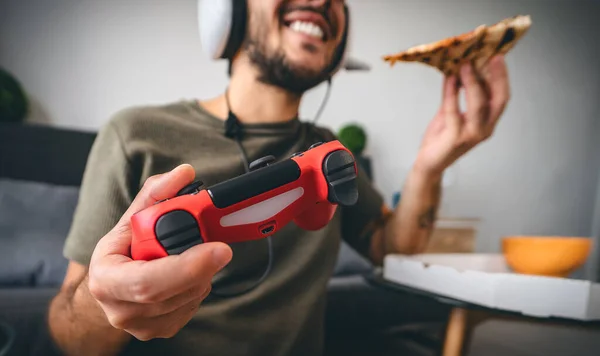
(78, 325)
(411, 225)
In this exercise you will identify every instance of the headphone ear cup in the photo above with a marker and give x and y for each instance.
(222, 26)
(214, 23)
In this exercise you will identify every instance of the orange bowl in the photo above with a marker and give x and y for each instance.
(553, 256)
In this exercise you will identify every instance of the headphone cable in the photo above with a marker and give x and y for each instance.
(325, 99)
(233, 129)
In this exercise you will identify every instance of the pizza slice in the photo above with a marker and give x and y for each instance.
(501, 38)
(477, 46)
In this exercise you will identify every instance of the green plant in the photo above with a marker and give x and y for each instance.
(353, 137)
(13, 101)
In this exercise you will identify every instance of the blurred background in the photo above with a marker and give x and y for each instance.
(80, 61)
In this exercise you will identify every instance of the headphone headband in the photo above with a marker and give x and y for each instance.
(222, 25)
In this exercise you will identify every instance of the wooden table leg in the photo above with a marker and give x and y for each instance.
(462, 323)
(460, 328)
(455, 332)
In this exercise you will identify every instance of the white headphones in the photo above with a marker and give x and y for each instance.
(222, 25)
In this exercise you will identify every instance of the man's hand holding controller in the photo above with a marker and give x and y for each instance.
(147, 279)
(151, 299)
(148, 299)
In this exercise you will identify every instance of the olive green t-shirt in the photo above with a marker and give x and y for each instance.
(284, 314)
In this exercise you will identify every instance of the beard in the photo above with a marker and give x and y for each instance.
(275, 69)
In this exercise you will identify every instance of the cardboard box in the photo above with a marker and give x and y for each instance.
(485, 279)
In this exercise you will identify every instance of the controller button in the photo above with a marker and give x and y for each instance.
(177, 231)
(191, 188)
(297, 154)
(261, 162)
(339, 169)
(315, 145)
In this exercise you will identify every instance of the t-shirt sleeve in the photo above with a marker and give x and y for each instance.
(105, 194)
(360, 221)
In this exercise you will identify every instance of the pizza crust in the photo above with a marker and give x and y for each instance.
(477, 46)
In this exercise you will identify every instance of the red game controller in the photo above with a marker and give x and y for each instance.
(305, 188)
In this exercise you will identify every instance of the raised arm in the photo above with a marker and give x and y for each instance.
(449, 136)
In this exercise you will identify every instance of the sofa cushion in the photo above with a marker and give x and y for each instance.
(350, 262)
(34, 221)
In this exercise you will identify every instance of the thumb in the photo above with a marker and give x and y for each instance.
(166, 277)
(205, 259)
(156, 188)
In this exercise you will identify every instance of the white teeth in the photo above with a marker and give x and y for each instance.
(308, 28)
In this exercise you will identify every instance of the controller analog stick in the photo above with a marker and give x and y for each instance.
(190, 188)
(177, 231)
(261, 162)
(341, 178)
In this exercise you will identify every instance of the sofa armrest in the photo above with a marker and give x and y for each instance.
(41, 153)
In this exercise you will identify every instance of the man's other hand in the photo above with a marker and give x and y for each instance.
(452, 133)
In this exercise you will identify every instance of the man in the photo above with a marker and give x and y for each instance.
(110, 304)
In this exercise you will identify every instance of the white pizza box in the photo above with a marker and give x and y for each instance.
(485, 279)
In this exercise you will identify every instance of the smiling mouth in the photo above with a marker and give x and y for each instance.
(308, 21)
(307, 28)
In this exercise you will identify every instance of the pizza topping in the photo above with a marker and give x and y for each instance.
(468, 51)
(508, 37)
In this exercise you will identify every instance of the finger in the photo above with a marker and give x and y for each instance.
(158, 280)
(164, 326)
(451, 106)
(450, 97)
(476, 98)
(198, 293)
(499, 88)
(122, 315)
(161, 187)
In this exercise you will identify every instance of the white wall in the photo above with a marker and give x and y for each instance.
(593, 265)
(84, 60)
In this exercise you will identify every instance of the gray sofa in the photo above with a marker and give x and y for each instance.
(40, 173)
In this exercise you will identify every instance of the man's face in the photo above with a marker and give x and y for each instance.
(294, 42)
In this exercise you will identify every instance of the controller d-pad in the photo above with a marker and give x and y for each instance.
(177, 231)
(340, 174)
